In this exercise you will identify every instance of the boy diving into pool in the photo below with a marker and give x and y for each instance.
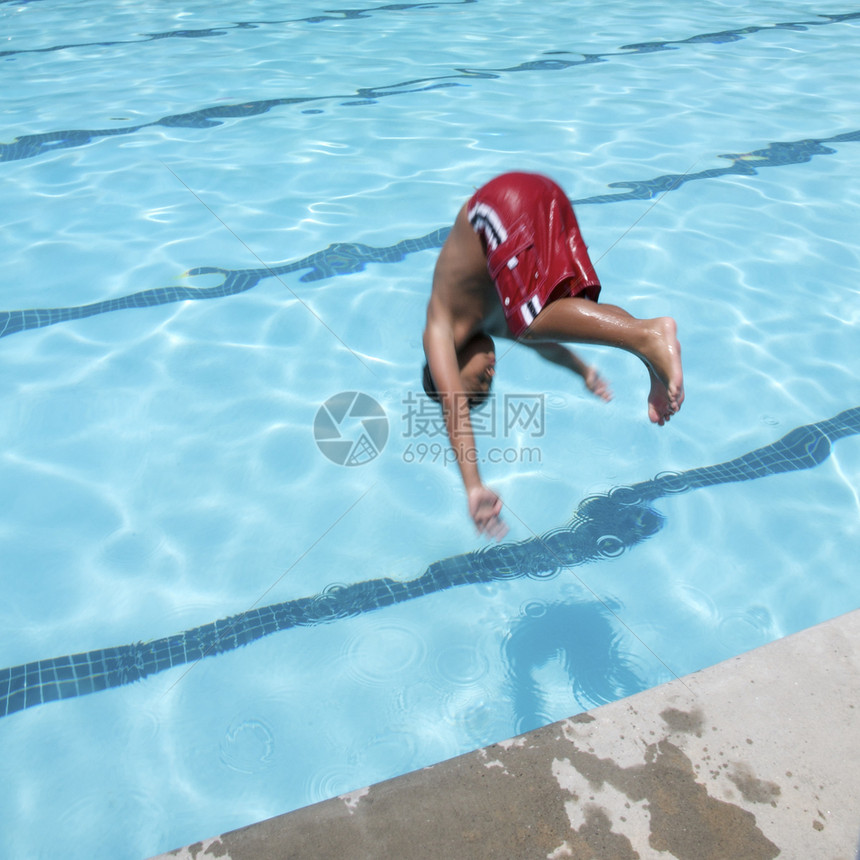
(515, 265)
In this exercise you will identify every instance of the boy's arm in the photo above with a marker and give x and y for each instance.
(484, 505)
(561, 355)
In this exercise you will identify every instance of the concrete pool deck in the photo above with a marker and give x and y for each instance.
(753, 758)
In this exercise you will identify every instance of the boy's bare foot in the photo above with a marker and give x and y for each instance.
(667, 375)
(597, 385)
(659, 410)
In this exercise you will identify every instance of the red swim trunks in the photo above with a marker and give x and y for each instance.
(533, 245)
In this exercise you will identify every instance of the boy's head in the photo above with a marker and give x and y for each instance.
(477, 362)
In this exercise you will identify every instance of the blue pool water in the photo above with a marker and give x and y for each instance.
(219, 225)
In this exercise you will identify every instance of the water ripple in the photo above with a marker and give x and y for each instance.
(347, 258)
(35, 145)
(383, 652)
(248, 746)
(393, 649)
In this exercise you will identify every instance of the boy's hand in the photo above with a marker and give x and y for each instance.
(485, 507)
(596, 384)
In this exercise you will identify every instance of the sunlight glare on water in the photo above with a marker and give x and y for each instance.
(216, 219)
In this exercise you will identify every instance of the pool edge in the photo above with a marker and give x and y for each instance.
(757, 756)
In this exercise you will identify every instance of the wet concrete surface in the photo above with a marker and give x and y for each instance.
(757, 757)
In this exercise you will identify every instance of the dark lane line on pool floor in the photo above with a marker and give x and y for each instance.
(331, 15)
(603, 527)
(346, 258)
(35, 145)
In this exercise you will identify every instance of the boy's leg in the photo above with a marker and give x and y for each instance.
(654, 341)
